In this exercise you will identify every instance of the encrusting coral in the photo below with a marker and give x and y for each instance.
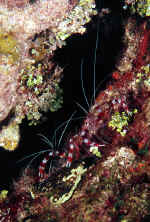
(30, 32)
(104, 183)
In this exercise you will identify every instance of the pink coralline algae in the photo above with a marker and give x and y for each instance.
(103, 183)
(29, 80)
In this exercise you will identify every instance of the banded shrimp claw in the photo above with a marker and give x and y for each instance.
(54, 152)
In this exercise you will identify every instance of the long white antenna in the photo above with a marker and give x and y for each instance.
(83, 89)
(94, 67)
(66, 128)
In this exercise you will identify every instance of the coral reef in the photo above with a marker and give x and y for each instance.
(109, 176)
(30, 32)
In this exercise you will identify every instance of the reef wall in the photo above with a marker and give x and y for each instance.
(103, 170)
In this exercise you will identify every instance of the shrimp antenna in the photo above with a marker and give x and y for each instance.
(61, 125)
(33, 154)
(83, 89)
(51, 144)
(29, 164)
(46, 140)
(94, 65)
(66, 128)
(82, 108)
(94, 75)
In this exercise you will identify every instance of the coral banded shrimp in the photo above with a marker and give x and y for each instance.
(94, 136)
(54, 154)
(73, 147)
(83, 143)
(105, 123)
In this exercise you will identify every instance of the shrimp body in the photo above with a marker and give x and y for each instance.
(81, 142)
